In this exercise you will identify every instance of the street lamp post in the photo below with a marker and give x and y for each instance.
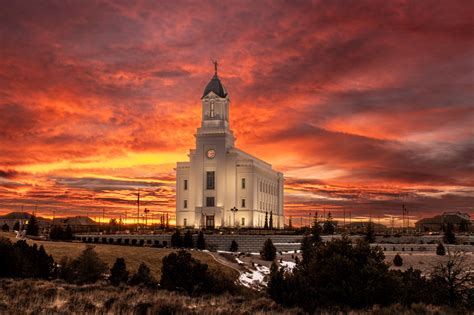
(234, 210)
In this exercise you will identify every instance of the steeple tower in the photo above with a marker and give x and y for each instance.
(215, 108)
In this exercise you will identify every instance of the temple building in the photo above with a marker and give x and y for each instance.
(221, 185)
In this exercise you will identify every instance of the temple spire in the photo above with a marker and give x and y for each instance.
(215, 66)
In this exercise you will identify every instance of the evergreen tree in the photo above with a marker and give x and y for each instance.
(316, 230)
(143, 277)
(398, 260)
(328, 226)
(180, 271)
(188, 240)
(56, 233)
(119, 273)
(290, 223)
(268, 251)
(176, 239)
(16, 226)
(308, 249)
(265, 226)
(440, 250)
(5, 227)
(201, 242)
(87, 268)
(271, 220)
(449, 236)
(32, 227)
(44, 264)
(68, 235)
(370, 233)
(276, 287)
(234, 246)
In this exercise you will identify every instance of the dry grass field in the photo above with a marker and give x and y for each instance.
(133, 255)
(57, 297)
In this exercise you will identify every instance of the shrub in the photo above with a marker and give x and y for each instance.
(134, 242)
(5, 227)
(180, 271)
(16, 226)
(176, 239)
(141, 242)
(118, 273)
(268, 251)
(453, 280)
(234, 246)
(143, 277)
(398, 260)
(440, 250)
(188, 240)
(87, 268)
(201, 242)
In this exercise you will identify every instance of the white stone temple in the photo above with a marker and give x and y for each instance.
(221, 185)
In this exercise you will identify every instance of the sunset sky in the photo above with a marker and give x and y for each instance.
(364, 106)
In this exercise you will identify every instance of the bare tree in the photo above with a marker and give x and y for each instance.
(455, 277)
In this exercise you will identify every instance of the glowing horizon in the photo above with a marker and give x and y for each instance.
(364, 107)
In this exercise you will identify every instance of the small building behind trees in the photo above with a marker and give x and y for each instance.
(461, 222)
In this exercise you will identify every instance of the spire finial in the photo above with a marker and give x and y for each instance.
(215, 66)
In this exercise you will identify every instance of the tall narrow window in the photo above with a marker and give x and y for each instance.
(185, 184)
(185, 204)
(209, 201)
(243, 183)
(211, 109)
(185, 222)
(243, 221)
(210, 180)
(243, 203)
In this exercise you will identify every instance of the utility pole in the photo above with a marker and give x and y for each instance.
(138, 209)
(103, 215)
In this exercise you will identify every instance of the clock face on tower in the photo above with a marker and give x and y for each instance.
(211, 153)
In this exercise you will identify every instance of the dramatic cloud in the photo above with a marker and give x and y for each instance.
(364, 105)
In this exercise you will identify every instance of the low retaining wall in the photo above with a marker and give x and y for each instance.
(247, 243)
(254, 243)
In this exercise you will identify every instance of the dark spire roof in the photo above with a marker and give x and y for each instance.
(215, 85)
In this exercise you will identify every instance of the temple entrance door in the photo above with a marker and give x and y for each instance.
(210, 222)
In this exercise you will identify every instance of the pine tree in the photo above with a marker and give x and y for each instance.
(449, 236)
(44, 264)
(16, 226)
(266, 221)
(328, 227)
(119, 273)
(290, 223)
(234, 246)
(268, 251)
(5, 227)
(370, 233)
(32, 227)
(188, 240)
(201, 242)
(316, 230)
(68, 233)
(56, 233)
(271, 220)
(440, 250)
(398, 260)
(176, 239)
(143, 277)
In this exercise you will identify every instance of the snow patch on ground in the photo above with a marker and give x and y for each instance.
(289, 265)
(255, 278)
(240, 262)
